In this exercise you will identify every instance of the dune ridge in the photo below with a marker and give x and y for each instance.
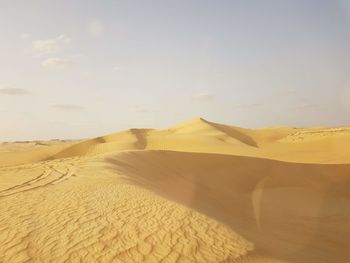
(198, 191)
(300, 145)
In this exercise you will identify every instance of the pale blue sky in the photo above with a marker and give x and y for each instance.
(75, 69)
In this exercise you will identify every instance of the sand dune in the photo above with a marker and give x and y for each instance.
(195, 192)
(313, 145)
(69, 210)
(281, 207)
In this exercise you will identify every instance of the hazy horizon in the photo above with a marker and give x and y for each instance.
(79, 69)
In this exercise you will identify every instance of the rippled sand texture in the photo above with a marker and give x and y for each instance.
(196, 192)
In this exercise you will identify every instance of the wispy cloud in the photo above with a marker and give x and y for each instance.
(24, 36)
(51, 46)
(139, 109)
(57, 63)
(309, 106)
(13, 91)
(68, 107)
(289, 92)
(95, 28)
(203, 97)
(245, 106)
(285, 92)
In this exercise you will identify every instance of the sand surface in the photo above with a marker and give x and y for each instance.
(195, 192)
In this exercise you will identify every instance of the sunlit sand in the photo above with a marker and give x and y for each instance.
(195, 192)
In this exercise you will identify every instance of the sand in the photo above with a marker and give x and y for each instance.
(195, 192)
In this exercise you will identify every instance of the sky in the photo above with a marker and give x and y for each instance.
(78, 69)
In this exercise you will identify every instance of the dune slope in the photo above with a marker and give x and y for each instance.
(76, 209)
(293, 211)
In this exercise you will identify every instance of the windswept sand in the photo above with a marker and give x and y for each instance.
(196, 192)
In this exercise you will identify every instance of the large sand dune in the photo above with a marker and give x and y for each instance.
(195, 192)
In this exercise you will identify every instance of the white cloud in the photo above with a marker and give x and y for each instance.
(57, 63)
(139, 109)
(203, 97)
(117, 68)
(64, 39)
(12, 91)
(24, 36)
(51, 46)
(78, 56)
(286, 92)
(95, 28)
(245, 106)
(309, 106)
(66, 106)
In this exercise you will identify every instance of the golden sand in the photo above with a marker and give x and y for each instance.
(196, 192)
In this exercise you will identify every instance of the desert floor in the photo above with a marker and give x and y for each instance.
(195, 192)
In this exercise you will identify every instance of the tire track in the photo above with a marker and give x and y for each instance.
(50, 174)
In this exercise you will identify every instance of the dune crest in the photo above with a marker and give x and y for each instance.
(300, 145)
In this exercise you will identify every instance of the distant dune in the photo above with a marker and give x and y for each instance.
(196, 192)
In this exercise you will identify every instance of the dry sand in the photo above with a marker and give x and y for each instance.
(196, 192)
